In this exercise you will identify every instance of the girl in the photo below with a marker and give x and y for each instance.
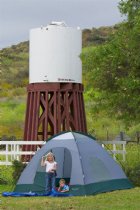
(51, 167)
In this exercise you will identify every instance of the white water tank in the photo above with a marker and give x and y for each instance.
(55, 54)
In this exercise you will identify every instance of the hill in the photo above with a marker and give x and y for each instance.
(97, 36)
(14, 60)
(14, 69)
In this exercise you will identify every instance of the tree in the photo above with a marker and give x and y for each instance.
(113, 69)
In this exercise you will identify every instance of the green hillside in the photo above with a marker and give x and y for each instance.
(111, 77)
(14, 61)
(97, 36)
(14, 70)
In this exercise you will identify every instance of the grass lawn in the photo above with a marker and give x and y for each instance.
(117, 200)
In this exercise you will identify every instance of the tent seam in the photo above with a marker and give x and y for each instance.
(80, 160)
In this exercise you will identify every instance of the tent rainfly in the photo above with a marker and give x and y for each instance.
(82, 162)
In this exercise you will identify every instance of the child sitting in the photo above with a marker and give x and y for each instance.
(62, 186)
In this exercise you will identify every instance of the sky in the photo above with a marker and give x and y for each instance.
(17, 17)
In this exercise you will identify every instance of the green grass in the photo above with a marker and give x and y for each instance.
(12, 115)
(6, 188)
(6, 174)
(117, 200)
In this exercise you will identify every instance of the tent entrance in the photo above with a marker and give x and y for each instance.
(64, 160)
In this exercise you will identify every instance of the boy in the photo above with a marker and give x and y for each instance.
(62, 186)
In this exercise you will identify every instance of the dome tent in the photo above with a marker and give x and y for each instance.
(82, 162)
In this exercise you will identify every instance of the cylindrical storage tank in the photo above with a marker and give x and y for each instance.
(55, 54)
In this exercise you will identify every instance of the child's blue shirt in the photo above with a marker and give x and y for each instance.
(65, 187)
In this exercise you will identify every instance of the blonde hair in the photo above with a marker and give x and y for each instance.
(50, 154)
(62, 180)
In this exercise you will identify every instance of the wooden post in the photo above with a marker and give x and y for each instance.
(6, 154)
(114, 151)
(124, 150)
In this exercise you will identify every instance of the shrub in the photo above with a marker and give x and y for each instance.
(2, 179)
(134, 175)
(18, 167)
(132, 164)
(5, 175)
(19, 91)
